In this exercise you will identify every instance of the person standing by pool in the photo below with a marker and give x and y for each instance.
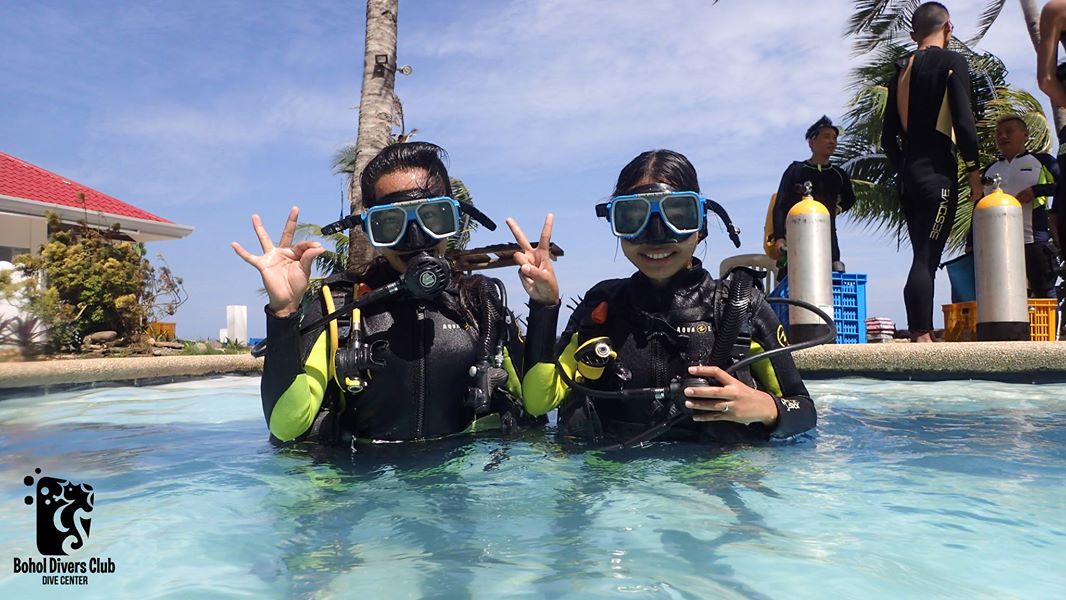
(830, 185)
(1029, 177)
(659, 325)
(927, 113)
(426, 360)
(1049, 76)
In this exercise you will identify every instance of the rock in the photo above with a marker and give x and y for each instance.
(201, 347)
(157, 353)
(174, 345)
(216, 345)
(102, 336)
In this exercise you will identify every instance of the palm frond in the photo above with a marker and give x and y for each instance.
(984, 22)
(467, 225)
(344, 160)
(875, 23)
(333, 260)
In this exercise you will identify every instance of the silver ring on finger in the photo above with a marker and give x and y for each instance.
(725, 408)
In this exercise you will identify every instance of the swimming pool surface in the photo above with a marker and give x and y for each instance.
(908, 490)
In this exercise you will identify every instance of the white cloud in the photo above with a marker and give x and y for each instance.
(538, 82)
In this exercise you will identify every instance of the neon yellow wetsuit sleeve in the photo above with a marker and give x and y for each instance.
(295, 373)
(542, 388)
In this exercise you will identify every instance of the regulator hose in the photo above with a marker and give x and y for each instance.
(660, 393)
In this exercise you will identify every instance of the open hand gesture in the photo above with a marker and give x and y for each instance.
(535, 264)
(286, 269)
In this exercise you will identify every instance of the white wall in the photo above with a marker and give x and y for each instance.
(19, 231)
(10, 309)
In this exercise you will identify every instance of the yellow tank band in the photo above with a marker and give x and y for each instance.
(997, 198)
(808, 206)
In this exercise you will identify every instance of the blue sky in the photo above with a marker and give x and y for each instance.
(205, 112)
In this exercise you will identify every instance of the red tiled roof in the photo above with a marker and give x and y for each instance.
(20, 179)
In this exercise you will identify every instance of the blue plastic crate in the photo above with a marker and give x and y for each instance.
(849, 306)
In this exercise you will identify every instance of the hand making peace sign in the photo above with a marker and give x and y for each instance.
(535, 264)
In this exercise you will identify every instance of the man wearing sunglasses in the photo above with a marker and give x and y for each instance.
(426, 354)
(928, 119)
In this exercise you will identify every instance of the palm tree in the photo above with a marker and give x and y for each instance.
(376, 109)
(859, 150)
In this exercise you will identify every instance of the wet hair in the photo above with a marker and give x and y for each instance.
(660, 166)
(401, 157)
(928, 19)
(1018, 118)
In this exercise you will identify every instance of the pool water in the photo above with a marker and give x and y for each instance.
(908, 490)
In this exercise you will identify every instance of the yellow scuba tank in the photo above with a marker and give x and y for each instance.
(999, 261)
(768, 245)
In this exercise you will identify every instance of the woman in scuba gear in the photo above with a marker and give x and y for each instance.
(407, 350)
(646, 352)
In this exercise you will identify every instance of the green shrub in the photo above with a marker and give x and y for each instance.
(94, 282)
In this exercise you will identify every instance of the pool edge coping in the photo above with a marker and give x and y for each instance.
(1000, 361)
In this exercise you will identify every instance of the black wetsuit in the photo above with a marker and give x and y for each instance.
(420, 392)
(924, 156)
(830, 185)
(656, 331)
(1058, 207)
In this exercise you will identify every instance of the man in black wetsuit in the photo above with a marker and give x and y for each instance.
(927, 114)
(830, 185)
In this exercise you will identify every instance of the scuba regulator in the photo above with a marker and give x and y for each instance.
(425, 278)
(596, 356)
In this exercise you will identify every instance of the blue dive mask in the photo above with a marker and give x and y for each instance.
(386, 225)
(662, 216)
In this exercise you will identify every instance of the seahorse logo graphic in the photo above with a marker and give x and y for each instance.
(63, 517)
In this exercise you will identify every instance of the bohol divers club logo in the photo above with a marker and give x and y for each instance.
(63, 522)
(63, 518)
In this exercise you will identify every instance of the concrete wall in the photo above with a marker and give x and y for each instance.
(19, 231)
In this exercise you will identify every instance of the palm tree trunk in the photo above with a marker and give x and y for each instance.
(1031, 14)
(375, 111)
